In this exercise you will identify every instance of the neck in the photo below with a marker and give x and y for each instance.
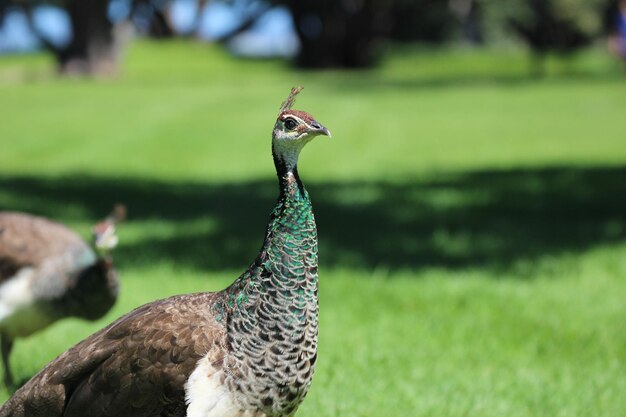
(291, 188)
(95, 290)
(270, 312)
(289, 253)
(286, 164)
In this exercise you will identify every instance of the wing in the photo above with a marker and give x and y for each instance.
(27, 240)
(136, 367)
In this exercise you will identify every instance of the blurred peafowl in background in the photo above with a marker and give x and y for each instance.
(47, 272)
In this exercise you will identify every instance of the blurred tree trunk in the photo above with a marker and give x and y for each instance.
(92, 49)
(160, 25)
(468, 13)
(338, 33)
(95, 41)
(4, 6)
(156, 17)
(555, 26)
(431, 21)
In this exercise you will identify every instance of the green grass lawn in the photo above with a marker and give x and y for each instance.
(472, 220)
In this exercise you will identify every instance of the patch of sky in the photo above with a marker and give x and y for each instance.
(184, 15)
(119, 10)
(15, 33)
(217, 20)
(53, 24)
(273, 35)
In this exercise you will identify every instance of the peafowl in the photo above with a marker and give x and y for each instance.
(47, 272)
(248, 350)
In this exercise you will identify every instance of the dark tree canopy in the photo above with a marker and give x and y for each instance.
(340, 33)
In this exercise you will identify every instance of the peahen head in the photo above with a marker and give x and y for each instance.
(293, 130)
(104, 236)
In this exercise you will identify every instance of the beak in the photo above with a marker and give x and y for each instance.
(320, 130)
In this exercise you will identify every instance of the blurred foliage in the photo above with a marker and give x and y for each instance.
(556, 22)
(350, 33)
(338, 33)
(345, 33)
(421, 20)
(547, 26)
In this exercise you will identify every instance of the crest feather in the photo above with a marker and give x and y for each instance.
(118, 214)
(287, 104)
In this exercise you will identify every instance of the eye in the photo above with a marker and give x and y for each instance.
(290, 124)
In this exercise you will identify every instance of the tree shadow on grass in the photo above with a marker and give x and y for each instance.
(488, 219)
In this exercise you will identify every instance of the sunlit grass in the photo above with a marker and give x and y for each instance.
(472, 219)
